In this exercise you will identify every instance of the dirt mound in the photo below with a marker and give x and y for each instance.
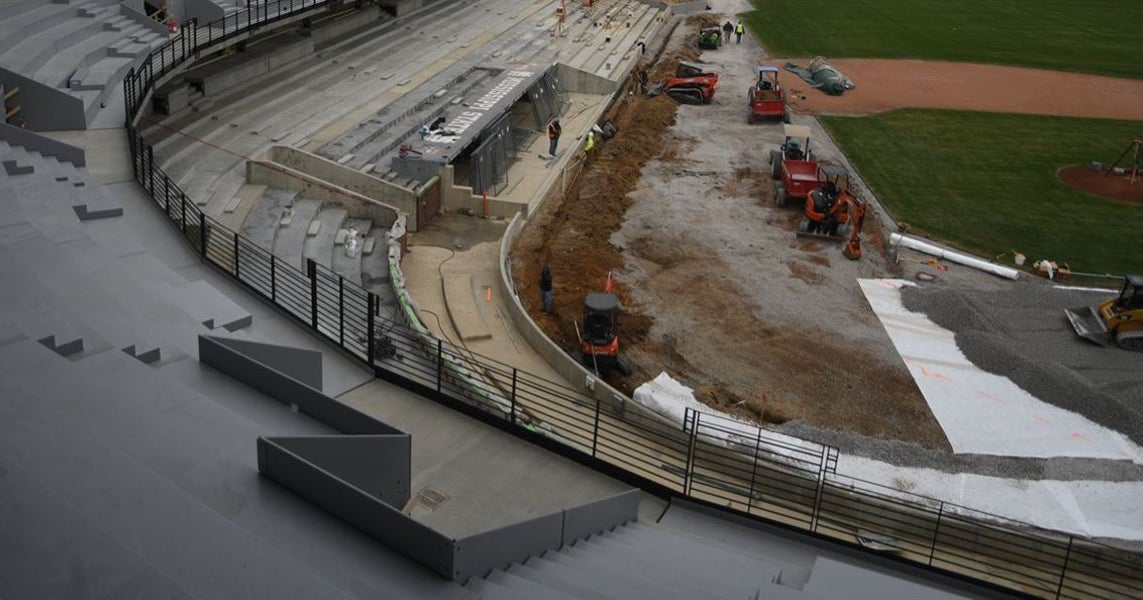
(1103, 183)
(573, 236)
(884, 85)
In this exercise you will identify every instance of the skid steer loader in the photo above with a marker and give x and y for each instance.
(1119, 319)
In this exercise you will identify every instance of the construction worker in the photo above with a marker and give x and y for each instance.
(738, 31)
(589, 146)
(727, 28)
(546, 289)
(554, 131)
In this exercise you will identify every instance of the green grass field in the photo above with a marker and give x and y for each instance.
(985, 182)
(1090, 36)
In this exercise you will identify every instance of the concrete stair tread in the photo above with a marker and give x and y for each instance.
(264, 219)
(320, 247)
(289, 243)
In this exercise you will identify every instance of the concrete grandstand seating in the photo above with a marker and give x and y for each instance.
(82, 291)
(82, 49)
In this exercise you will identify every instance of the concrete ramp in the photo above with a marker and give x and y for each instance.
(464, 308)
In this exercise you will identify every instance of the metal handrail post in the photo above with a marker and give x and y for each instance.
(512, 415)
(936, 532)
(440, 363)
(595, 429)
(754, 471)
(687, 419)
(1064, 569)
(369, 328)
(312, 269)
(201, 234)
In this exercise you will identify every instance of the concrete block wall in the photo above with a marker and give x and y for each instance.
(394, 198)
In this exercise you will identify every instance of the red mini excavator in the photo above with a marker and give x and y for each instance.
(599, 344)
(833, 213)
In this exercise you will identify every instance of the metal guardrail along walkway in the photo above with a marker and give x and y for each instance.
(709, 459)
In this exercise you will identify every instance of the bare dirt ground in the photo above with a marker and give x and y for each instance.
(884, 85)
(1103, 184)
(716, 288)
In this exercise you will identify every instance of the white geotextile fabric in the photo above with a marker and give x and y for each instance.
(983, 413)
(1088, 508)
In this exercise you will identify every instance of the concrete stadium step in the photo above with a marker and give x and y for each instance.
(320, 246)
(104, 73)
(27, 22)
(290, 240)
(61, 67)
(514, 584)
(593, 41)
(206, 305)
(639, 561)
(627, 49)
(32, 52)
(264, 220)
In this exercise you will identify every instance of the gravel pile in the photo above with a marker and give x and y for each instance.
(1022, 334)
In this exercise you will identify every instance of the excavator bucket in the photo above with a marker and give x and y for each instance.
(1088, 324)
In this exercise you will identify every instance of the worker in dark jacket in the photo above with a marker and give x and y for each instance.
(727, 29)
(546, 289)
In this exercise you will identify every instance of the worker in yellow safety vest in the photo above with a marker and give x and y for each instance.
(589, 146)
(739, 29)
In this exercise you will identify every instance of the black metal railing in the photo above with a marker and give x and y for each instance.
(709, 458)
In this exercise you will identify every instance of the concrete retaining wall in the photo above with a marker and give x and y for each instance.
(460, 197)
(276, 175)
(44, 107)
(379, 191)
(577, 376)
(582, 82)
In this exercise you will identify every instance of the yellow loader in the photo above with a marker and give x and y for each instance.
(1119, 319)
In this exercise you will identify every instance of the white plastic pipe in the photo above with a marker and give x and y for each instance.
(897, 239)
